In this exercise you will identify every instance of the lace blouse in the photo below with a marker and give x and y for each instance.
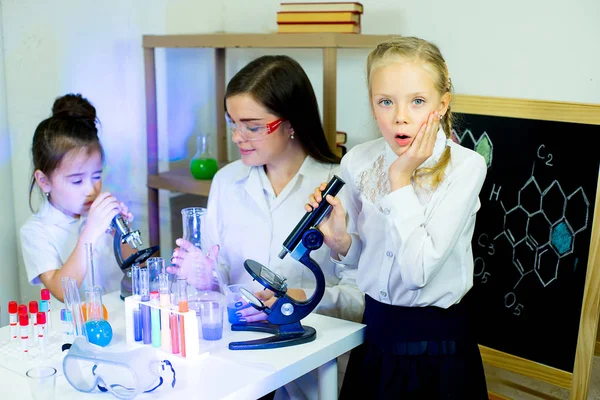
(413, 245)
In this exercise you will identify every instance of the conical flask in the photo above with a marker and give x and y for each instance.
(203, 165)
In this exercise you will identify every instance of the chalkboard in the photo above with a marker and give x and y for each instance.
(532, 235)
(533, 240)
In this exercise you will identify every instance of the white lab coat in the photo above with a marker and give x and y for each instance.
(247, 221)
(48, 238)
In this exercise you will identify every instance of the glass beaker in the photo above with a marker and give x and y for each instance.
(156, 266)
(191, 220)
(192, 232)
(203, 165)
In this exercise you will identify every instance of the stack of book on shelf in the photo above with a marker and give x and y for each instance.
(341, 17)
(340, 139)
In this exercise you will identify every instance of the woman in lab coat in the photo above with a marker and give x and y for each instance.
(255, 202)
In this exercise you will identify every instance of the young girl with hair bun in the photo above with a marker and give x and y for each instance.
(67, 163)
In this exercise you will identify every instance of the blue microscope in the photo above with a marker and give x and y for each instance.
(285, 314)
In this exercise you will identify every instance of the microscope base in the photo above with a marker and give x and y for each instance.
(280, 338)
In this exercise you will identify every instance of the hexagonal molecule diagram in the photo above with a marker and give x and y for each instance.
(542, 227)
(483, 145)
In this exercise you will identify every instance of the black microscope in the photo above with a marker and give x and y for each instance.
(124, 235)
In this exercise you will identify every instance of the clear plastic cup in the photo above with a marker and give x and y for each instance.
(235, 303)
(42, 382)
(211, 319)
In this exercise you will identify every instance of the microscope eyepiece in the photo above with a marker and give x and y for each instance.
(313, 218)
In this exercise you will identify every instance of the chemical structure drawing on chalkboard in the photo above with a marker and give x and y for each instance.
(483, 145)
(539, 230)
(542, 226)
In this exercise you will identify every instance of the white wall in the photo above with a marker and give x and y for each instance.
(9, 282)
(527, 49)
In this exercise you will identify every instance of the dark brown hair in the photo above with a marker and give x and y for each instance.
(71, 126)
(280, 84)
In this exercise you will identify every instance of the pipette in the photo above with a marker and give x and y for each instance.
(89, 258)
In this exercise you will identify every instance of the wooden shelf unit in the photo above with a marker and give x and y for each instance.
(181, 180)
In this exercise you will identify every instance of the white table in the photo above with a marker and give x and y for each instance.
(221, 373)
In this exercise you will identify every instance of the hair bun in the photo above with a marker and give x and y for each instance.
(74, 106)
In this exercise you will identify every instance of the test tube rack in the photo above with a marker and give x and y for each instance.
(190, 331)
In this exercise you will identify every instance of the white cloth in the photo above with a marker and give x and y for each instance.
(49, 237)
(247, 221)
(412, 245)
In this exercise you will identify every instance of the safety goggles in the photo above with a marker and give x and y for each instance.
(124, 375)
(258, 132)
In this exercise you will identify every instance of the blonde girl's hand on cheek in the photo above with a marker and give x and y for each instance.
(420, 150)
(333, 226)
(100, 216)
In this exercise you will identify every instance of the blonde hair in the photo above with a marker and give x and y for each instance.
(403, 49)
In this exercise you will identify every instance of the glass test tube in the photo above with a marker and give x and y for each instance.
(24, 331)
(67, 322)
(33, 322)
(174, 328)
(182, 295)
(13, 307)
(89, 262)
(156, 266)
(135, 291)
(73, 302)
(163, 281)
(146, 314)
(155, 317)
(45, 295)
(135, 280)
(41, 331)
(165, 331)
(93, 303)
(183, 307)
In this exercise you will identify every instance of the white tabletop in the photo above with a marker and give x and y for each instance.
(219, 373)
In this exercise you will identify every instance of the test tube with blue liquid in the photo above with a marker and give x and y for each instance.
(135, 291)
(146, 314)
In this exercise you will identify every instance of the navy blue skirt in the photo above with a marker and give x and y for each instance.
(415, 353)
